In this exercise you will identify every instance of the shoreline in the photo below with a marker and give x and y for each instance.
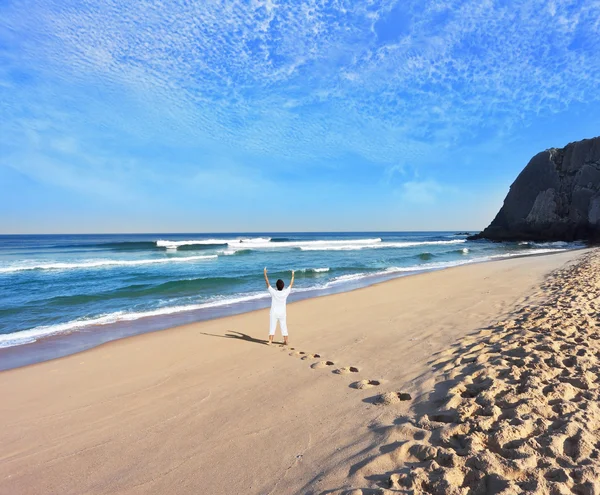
(62, 344)
(208, 408)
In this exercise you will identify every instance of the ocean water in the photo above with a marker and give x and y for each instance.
(63, 285)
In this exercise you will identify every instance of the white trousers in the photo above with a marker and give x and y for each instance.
(282, 324)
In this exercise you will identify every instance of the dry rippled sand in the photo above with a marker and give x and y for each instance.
(515, 408)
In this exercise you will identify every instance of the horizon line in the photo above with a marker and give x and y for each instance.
(248, 232)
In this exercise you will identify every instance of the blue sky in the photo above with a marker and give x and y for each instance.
(155, 116)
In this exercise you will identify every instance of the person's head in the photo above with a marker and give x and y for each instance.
(279, 284)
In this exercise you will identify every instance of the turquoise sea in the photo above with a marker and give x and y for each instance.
(70, 292)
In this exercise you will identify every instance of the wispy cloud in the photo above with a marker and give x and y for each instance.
(227, 71)
(284, 83)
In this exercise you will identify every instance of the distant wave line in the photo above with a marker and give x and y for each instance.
(382, 245)
(102, 263)
(313, 270)
(316, 245)
(217, 242)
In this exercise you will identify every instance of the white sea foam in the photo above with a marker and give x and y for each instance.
(550, 244)
(465, 250)
(313, 270)
(241, 242)
(28, 336)
(527, 252)
(348, 278)
(102, 263)
(265, 243)
(329, 243)
(343, 246)
(428, 266)
(553, 244)
(317, 245)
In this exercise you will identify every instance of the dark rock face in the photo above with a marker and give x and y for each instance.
(555, 198)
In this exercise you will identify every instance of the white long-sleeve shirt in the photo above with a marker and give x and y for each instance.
(278, 300)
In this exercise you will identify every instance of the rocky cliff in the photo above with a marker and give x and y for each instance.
(555, 198)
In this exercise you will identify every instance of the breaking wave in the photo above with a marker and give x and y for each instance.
(257, 243)
(102, 263)
(28, 336)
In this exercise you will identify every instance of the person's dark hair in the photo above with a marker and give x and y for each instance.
(279, 284)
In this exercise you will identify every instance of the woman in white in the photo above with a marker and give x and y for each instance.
(278, 307)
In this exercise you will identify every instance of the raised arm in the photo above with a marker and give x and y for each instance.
(267, 278)
(292, 281)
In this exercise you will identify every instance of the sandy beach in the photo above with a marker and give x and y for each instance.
(481, 377)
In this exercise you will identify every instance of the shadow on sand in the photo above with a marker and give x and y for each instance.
(238, 336)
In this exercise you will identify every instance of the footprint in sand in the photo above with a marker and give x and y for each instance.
(389, 398)
(346, 369)
(322, 364)
(297, 353)
(311, 356)
(363, 384)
